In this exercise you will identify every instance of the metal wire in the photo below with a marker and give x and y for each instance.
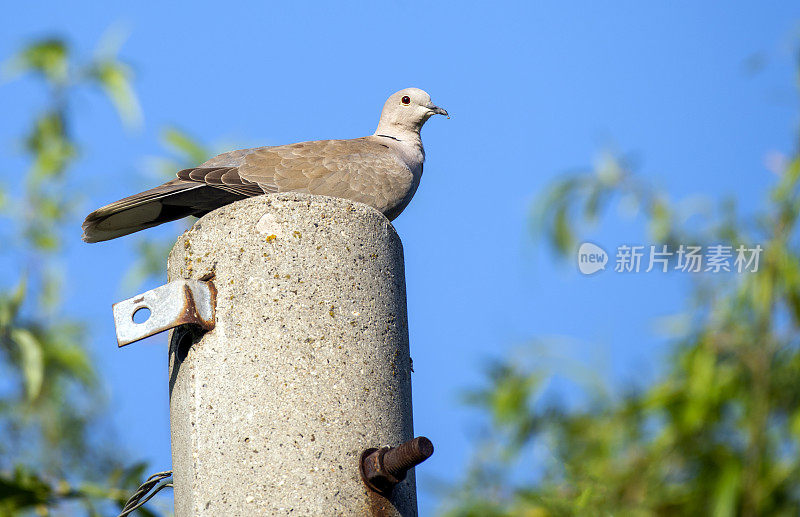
(144, 493)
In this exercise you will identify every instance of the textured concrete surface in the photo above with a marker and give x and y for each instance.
(308, 364)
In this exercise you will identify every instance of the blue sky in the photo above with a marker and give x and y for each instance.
(534, 90)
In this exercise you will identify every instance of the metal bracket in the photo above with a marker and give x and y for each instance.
(177, 303)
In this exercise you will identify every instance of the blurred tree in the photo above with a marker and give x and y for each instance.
(49, 397)
(719, 434)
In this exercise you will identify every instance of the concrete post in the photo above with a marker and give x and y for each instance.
(308, 364)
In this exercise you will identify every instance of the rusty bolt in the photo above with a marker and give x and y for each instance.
(381, 469)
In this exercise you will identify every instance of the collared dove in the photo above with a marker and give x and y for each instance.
(382, 170)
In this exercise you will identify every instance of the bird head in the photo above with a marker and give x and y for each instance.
(407, 110)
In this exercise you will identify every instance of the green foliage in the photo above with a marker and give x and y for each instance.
(48, 57)
(185, 149)
(25, 489)
(718, 434)
(114, 78)
(49, 402)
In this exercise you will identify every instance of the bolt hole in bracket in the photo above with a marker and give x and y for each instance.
(181, 302)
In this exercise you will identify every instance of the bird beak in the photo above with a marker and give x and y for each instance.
(437, 110)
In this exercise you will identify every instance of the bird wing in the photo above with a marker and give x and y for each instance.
(360, 169)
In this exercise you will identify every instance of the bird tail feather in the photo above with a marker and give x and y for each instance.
(144, 210)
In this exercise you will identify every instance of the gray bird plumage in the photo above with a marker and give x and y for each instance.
(382, 170)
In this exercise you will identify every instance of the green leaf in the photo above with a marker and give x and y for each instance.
(115, 80)
(52, 151)
(786, 187)
(794, 424)
(11, 302)
(660, 220)
(184, 144)
(594, 202)
(31, 361)
(66, 354)
(48, 57)
(727, 490)
(563, 238)
(22, 490)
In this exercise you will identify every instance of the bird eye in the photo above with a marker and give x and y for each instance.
(406, 100)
